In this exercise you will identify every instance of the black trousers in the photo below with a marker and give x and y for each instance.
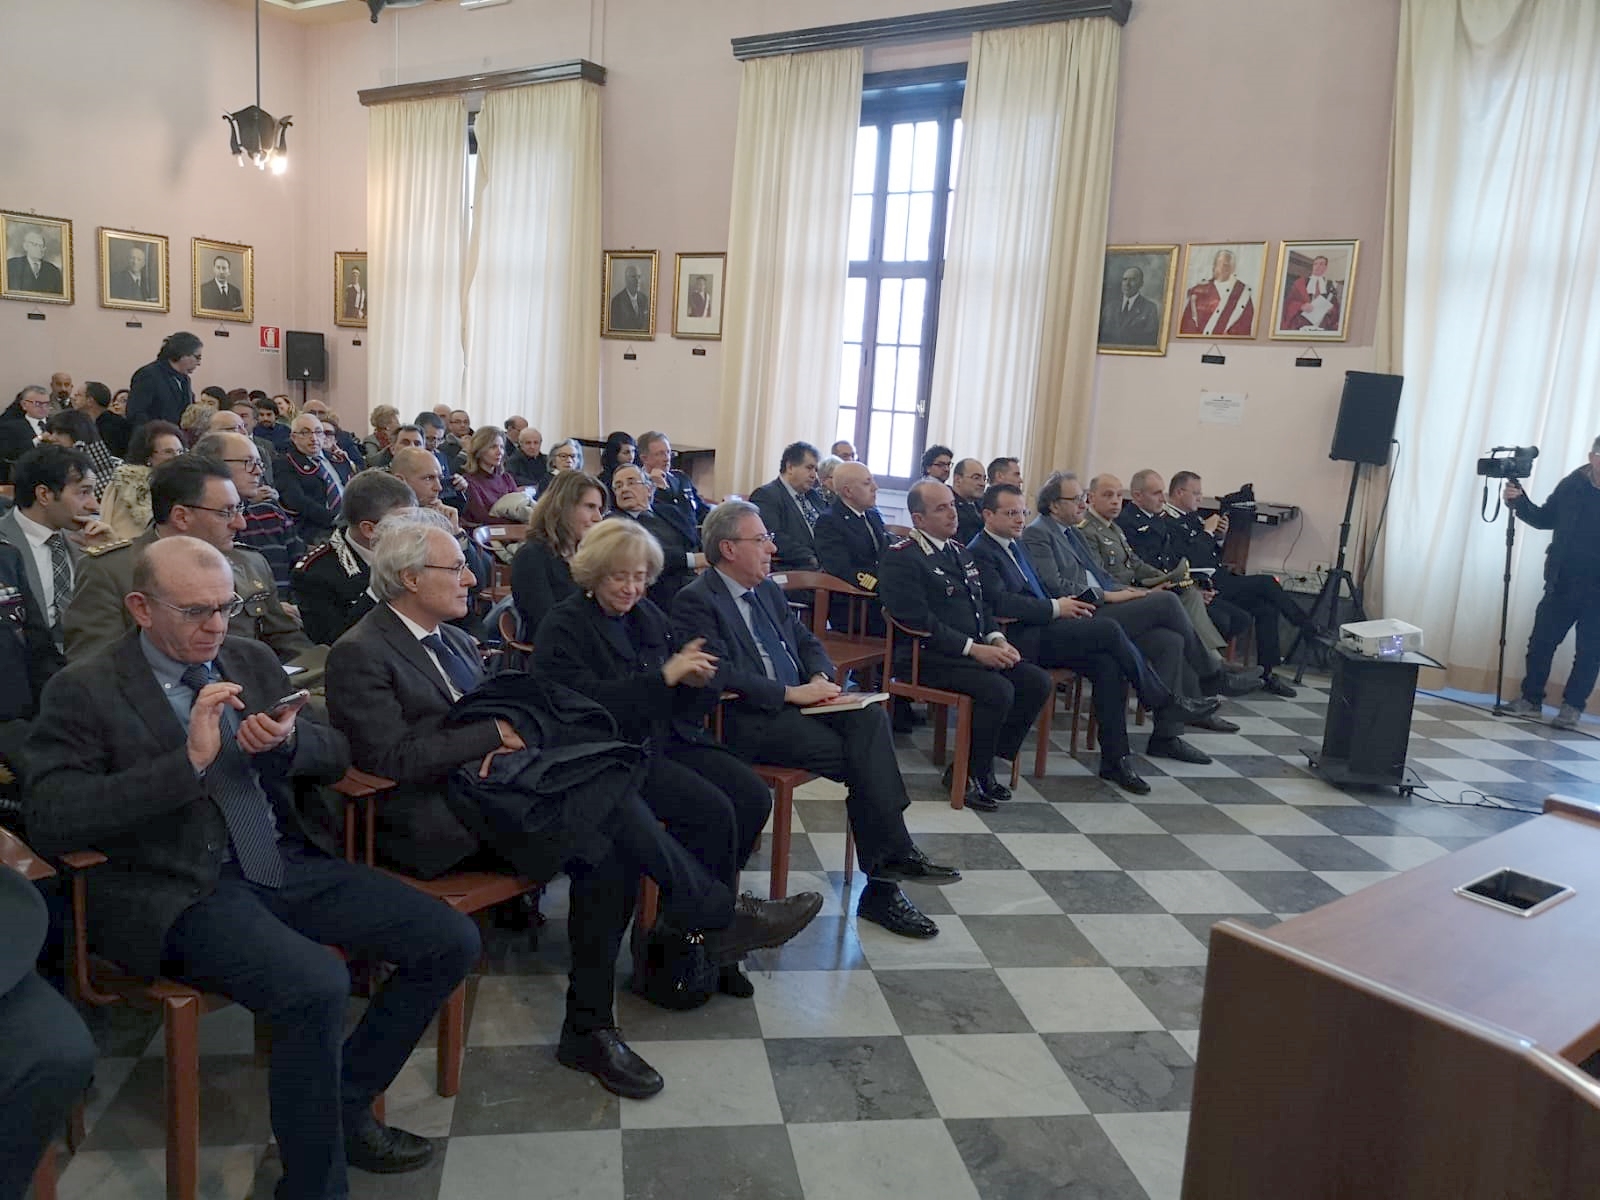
(1563, 606)
(1004, 703)
(46, 1063)
(267, 949)
(1263, 598)
(1164, 634)
(854, 748)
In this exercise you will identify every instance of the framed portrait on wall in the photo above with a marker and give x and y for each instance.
(1136, 299)
(36, 264)
(1221, 295)
(133, 270)
(224, 280)
(697, 295)
(628, 296)
(350, 288)
(1313, 285)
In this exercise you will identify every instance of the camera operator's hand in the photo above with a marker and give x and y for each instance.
(1511, 493)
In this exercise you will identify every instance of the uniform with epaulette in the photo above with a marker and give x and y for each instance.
(97, 616)
(1110, 547)
(1158, 540)
(935, 588)
(849, 547)
(330, 587)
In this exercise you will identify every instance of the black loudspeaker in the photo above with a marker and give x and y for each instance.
(1366, 417)
(305, 357)
(1368, 726)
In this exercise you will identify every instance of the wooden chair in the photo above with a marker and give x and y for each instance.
(899, 531)
(937, 700)
(1041, 752)
(465, 891)
(852, 648)
(498, 585)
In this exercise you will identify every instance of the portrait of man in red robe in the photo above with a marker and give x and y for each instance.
(1312, 301)
(1221, 306)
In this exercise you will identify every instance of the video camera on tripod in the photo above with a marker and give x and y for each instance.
(1508, 462)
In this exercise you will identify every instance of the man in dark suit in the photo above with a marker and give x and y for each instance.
(55, 498)
(28, 658)
(161, 390)
(331, 584)
(681, 557)
(1130, 318)
(167, 753)
(930, 583)
(220, 293)
(791, 505)
(675, 498)
(29, 272)
(393, 679)
(850, 534)
(114, 430)
(630, 308)
(528, 464)
(776, 667)
(22, 426)
(1066, 632)
(133, 281)
(967, 481)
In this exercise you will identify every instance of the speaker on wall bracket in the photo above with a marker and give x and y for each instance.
(305, 357)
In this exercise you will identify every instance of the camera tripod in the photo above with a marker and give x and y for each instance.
(1327, 626)
(1505, 595)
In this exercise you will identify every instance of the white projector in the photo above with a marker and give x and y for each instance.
(1380, 639)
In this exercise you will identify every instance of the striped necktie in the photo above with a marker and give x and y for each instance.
(246, 809)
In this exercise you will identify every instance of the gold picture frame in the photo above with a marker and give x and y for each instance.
(224, 299)
(621, 317)
(1202, 311)
(697, 295)
(1137, 323)
(134, 270)
(350, 288)
(44, 277)
(1298, 315)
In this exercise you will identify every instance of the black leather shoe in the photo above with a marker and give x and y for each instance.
(895, 913)
(759, 924)
(1122, 774)
(1195, 710)
(609, 1059)
(1176, 748)
(385, 1150)
(1274, 686)
(916, 865)
(1231, 683)
(994, 789)
(733, 982)
(1215, 725)
(974, 797)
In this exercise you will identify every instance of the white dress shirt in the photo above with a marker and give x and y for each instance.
(418, 632)
(38, 535)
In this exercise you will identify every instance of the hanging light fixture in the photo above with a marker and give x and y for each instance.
(255, 135)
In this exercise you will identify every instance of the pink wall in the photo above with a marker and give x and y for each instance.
(1290, 140)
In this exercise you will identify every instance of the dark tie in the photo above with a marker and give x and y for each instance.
(233, 784)
(783, 666)
(1026, 568)
(457, 668)
(60, 575)
(1085, 559)
(877, 545)
(808, 510)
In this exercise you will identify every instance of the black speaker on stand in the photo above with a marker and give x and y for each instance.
(305, 359)
(1361, 436)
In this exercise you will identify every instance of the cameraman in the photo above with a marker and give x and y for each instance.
(1571, 589)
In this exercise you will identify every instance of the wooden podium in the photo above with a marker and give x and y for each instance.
(1407, 1042)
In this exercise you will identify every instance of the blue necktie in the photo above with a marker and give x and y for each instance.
(457, 668)
(1026, 568)
(783, 665)
(246, 810)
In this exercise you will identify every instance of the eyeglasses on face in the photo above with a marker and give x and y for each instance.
(771, 538)
(227, 514)
(194, 614)
(252, 465)
(458, 569)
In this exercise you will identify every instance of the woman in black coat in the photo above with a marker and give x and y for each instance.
(541, 578)
(612, 644)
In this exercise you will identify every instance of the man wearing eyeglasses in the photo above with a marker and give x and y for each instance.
(169, 753)
(192, 496)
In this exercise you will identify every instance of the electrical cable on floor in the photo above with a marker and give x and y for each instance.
(1484, 799)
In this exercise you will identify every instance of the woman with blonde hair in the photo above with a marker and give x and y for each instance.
(572, 503)
(487, 478)
(195, 422)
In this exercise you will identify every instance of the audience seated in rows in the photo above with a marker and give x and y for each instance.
(269, 530)
(487, 479)
(309, 485)
(74, 430)
(332, 584)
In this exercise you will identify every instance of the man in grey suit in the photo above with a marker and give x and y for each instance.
(55, 495)
(133, 282)
(630, 308)
(220, 293)
(29, 272)
(1131, 318)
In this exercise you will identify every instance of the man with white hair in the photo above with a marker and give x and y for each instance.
(29, 272)
(1221, 306)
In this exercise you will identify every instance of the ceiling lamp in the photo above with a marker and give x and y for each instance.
(255, 135)
(377, 6)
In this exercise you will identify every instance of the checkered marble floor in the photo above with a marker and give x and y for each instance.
(1042, 1045)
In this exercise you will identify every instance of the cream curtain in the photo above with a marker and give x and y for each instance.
(1014, 368)
(416, 184)
(534, 300)
(787, 257)
(1489, 289)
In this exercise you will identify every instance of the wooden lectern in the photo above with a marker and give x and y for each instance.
(1407, 1042)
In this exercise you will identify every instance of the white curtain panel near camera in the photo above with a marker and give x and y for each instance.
(1490, 291)
(1014, 370)
(416, 165)
(788, 256)
(534, 293)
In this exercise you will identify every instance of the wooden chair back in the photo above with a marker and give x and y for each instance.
(938, 700)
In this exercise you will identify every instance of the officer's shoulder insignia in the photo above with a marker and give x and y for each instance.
(312, 555)
(106, 548)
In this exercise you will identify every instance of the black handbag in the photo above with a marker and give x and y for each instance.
(673, 970)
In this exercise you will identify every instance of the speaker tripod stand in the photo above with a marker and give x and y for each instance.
(1339, 579)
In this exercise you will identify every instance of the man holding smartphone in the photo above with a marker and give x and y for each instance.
(177, 751)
